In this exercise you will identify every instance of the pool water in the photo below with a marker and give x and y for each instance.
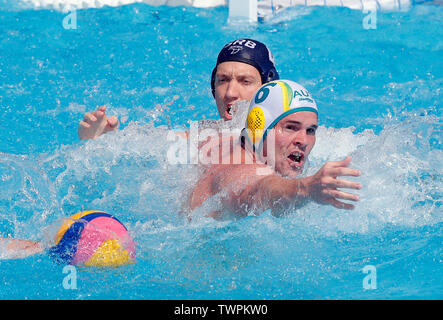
(380, 101)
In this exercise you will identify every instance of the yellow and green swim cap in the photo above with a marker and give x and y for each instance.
(272, 102)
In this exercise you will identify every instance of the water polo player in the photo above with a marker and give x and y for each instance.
(242, 66)
(278, 137)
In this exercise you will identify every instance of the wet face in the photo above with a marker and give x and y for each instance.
(234, 81)
(294, 138)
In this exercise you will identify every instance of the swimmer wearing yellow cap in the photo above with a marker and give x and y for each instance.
(278, 138)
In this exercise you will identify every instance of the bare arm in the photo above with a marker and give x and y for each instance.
(16, 249)
(244, 190)
(271, 192)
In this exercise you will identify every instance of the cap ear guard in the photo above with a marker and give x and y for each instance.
(255, 124)
(271, 76)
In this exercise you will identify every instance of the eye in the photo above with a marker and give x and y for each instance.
(247, 81)
(291, 127)
(222, 79)
(311, 131)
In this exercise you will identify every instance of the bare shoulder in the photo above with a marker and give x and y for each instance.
(237, 177)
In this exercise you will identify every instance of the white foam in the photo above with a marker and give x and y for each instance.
(69, 5)
(128, 173)
(266, 8)
(401, 176)
(25, 189)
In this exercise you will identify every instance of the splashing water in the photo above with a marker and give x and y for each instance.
(375, 106)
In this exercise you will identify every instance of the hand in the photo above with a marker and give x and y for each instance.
(97, 123)
(322, 186)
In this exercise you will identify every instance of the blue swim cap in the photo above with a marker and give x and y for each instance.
(251, 52)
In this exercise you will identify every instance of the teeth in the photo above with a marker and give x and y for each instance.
(230, 110)
(296, 156)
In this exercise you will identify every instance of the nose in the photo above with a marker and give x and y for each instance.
(300, 139)
(233, 92)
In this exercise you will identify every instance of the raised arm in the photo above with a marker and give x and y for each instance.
(97, 123)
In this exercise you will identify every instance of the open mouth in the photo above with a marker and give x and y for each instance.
(232, 108)
(296, 158)
(229, 111)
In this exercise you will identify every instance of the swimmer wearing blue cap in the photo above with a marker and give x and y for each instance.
(278, 137)
(243, 65)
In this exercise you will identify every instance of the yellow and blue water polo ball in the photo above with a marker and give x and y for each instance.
(93, 238)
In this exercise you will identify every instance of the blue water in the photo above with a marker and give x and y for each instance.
(379, 94)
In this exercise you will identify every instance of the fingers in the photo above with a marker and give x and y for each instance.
(343, 163)
(330, 186)
(113, 122)
(347, 184)
(342, 171)
(89, 117)
(84, 124)
(341, 205)
(337, 194)
(99, 114)
(96, 123)
(84, 131)
(338, 183)
(330, 194)
(334, 169)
